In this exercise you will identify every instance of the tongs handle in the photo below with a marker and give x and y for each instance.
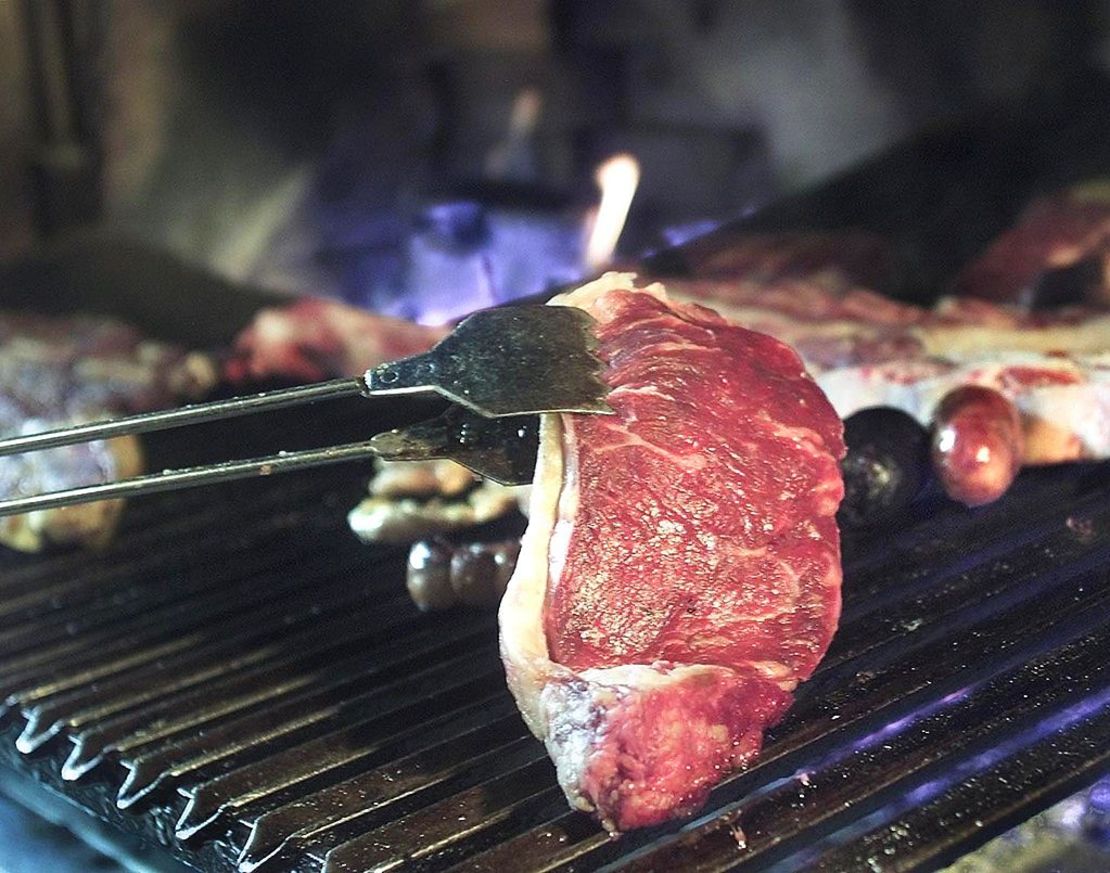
(503, 450)
(500, 366)
(172, 480)
(194, 413)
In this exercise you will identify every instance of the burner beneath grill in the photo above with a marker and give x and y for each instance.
(240, 682)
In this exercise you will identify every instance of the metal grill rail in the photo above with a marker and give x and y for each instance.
(239, 680)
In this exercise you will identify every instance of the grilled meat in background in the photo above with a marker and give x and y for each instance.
(58, 371)
(312, 339)
(1057, 252)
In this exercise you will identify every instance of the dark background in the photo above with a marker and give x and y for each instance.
(294, 145)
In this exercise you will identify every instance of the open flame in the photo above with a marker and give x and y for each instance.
(618, 178)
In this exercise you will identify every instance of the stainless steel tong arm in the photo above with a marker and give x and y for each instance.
(171, 480)
(503, 450)
(195, 413)
(499, 366)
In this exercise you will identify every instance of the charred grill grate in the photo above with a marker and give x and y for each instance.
(240, 681)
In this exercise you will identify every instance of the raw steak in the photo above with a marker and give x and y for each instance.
(58, 371)
(680, 574)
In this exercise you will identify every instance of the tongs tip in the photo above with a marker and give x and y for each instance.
(517, 360)
(502, 449)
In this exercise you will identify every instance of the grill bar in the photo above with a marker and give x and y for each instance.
(951, 598)
(817, 800)
(206, 628)
(181, 518)
(280, 834)
(364, 719)
(933, 834)
(278, 676)
(272, 701)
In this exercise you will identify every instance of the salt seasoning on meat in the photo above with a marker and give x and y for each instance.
(680, 574)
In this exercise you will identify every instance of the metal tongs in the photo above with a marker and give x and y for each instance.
(498, 367)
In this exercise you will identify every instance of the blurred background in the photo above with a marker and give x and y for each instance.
(391, 152)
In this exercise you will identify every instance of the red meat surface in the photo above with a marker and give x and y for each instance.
(1053, 232)
(312, 339)
(680, 574)
(703, 532)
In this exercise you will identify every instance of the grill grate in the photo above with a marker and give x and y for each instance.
(240, 681)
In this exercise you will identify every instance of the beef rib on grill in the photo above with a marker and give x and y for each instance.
(311, 339)
(866, 350)
(680, 573)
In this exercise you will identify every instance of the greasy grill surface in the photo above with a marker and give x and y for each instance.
(240, 680)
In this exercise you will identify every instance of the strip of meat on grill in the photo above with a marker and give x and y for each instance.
(1058, 251)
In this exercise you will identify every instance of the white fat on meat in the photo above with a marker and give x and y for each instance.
(867, 351)
(1064, 401)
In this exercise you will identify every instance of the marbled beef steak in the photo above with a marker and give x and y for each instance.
(681, 570)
